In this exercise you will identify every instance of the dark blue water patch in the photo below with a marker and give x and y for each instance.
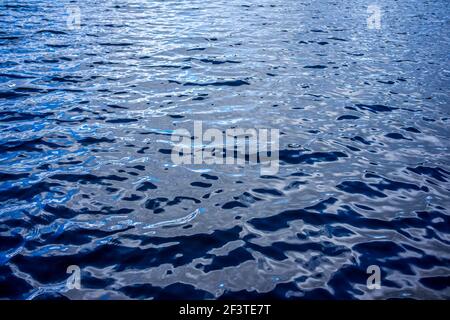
(9, 116)
(201, 184)
(387, 184)
(342, 287)
(436, 172)
(411, 129)
(54, 45)
(176, 116)
(155, 204)
(51, 31)
(67, 79)
(347, 117)
(7, 242)
(10, 38)
(131, 198)
(364, 207)
(232, 259)
(375, 108)
(5, 176)
(436, 283)
(28, 192)
(52, 296)
(280, 292)
(78, 236)
(276, 222)
(196, 49)
(295, 185)
(11, 95)
(386, 82)
(165, 151)
(345, 215)
(116, 44)
(351, 148)
(86, 178)
(379, 249)
(296, 157)
(52, 268)
(247, 199)
(359, 187)
(209, 176)
(277, 250)
(90, 281)
(60, 211)
(282, 219)
(338, 39)
(145, 186)
(92, 140)
(212, 61)
(158, 204)
(317, 66)
(396, 136)
(338, 232)
(15, 76)
(233, 204)
(121, 120)
(361, 140)
(11, 286)
(229, 83)
(272, 192)
(175, 291)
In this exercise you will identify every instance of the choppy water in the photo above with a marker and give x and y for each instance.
(87, 179)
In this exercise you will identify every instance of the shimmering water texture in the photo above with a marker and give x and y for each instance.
(86, 117)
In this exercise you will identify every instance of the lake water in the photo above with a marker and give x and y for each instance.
(86, 177)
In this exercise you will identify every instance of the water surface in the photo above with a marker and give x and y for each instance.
(86, 176)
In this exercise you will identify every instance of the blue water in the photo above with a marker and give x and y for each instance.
(86, 176)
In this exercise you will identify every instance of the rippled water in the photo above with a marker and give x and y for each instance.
(87, 179)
